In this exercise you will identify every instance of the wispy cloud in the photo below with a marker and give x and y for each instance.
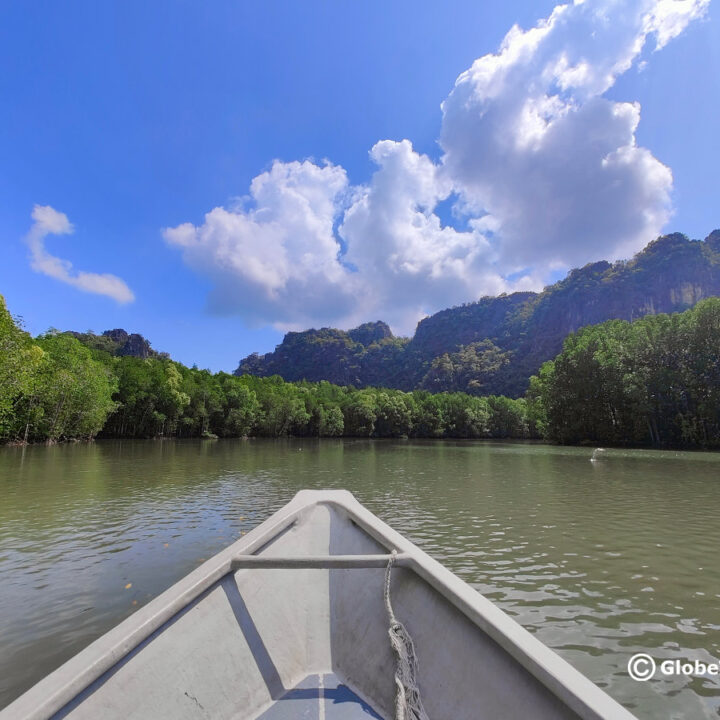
(543, 169)
(48, 221)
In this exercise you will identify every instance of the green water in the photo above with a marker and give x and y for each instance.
(598, 559)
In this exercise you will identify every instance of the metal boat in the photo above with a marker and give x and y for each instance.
(295, 620)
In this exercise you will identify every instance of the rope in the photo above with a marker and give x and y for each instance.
(408, 705)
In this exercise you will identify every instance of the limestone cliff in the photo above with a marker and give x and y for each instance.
(671, 274)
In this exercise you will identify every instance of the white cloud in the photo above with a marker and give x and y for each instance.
(279, 260)
(546, 171)
(407, 261)
(529, 139)
(668, 18)
(48, 221)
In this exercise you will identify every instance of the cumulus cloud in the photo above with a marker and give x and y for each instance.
(278, 260)
(545, 172)
(48, 221)
(409, 263)
(530, 140)
(282, 259)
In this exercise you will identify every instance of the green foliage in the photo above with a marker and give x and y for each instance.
(463, 417)
(19, 361)
(394, 414)
(428, 418)
(359, 414)
(332, 423)
(73, 390)
(508, 417)
(240, 409)
(656, 381)
(151, 397)
(118, 342)
(653, 381)
(57, 387)
(468, 370)
(493, 346)
(50, 389)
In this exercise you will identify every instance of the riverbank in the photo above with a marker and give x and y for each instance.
(653, 382)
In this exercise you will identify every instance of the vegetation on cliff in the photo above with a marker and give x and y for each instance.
(653, 381)
(670, 275)
(365, 356)
(118, 342)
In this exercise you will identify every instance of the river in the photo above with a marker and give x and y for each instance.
(599, 559)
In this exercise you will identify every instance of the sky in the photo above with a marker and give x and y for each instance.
(211, 175)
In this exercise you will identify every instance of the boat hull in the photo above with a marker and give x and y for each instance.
(291, 619)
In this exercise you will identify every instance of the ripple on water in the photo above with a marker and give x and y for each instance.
(599, 560)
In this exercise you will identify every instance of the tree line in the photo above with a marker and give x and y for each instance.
(654, 381)
(54, 387)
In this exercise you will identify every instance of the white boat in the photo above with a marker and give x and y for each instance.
(292, 621)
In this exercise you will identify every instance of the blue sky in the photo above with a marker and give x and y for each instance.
(134, 120)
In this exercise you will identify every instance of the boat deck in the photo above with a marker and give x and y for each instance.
(320, 697)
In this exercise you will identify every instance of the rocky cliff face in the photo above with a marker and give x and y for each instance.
(130, 344)
(343, 358)
(369, 333)
(671, 274)
(119, 342)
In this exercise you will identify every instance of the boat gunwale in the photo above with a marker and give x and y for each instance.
(51, 694)
(567, 683)
(60, 687)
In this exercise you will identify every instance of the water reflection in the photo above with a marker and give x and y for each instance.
(600, 560)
